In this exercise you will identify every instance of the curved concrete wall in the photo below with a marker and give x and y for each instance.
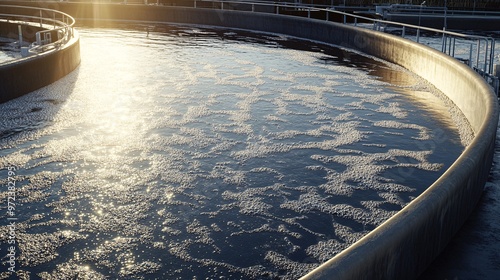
(25, 75)
(406, 244)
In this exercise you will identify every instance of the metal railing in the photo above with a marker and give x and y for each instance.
(481, 48)
(485, 46)
(54, 23)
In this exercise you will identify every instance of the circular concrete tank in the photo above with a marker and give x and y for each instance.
(403, 246)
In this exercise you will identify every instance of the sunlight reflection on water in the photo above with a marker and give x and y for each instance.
(187, 152)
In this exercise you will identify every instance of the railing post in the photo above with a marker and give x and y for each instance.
(38, 39)
(470, 56)
(355, 21)
(20, 31)
(345, 19)
(253, 7)
(447, 50)
(492, 55)
(486, 56)
(453, 49)
(222, 5)
(308, 12)
(327, 14)
(403, 32)
(418, 35)
(443, 43)
(47, 38)
(195, 3)
(41, 21)
(478, 52)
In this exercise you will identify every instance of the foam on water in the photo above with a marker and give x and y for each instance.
(7, 50)
(175, 154)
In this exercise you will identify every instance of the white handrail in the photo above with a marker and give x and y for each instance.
(489, 43)
(59, 23)
(488, 65)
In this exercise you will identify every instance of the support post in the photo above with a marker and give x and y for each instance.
(20, 31)
(470, 55)
(38, 39)
(492, 55)
(443, 43)
(478, 52)
(453, 49)
(486, 56)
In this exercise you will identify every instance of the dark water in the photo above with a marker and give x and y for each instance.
(183, 152)
(9, 50)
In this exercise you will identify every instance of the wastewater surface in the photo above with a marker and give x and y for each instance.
(6, 51)
(6, 56)
(191, 153)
